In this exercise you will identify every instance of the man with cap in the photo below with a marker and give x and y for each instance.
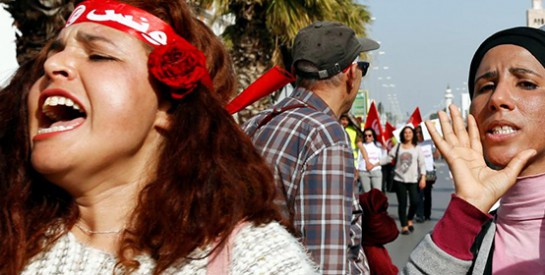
(309, 150)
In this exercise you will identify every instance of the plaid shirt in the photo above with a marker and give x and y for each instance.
(313, 166)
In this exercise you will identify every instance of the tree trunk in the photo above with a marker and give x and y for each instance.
(37, 21)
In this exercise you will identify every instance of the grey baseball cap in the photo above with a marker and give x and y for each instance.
(331, 46)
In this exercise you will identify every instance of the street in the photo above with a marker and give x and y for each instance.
(400, 249)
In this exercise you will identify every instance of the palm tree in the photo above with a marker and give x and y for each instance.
(37, 21)
(263, 32)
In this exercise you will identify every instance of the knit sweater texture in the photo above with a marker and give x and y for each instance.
(266, 249)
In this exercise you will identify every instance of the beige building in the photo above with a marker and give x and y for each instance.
(536, 15)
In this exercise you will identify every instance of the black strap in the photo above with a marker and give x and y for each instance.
(397, 152)
(476, 247)
(322, 74)
(275, 112)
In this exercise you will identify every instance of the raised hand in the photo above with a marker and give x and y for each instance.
(474, 181)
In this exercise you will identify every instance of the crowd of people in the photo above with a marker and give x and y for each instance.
(121, 158)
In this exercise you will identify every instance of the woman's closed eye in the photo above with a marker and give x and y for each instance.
(100, 57)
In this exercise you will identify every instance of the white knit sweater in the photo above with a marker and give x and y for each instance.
(267, 249)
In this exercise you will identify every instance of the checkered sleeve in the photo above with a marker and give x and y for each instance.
(325, 206)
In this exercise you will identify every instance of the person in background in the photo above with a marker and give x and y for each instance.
(121, 158)
(410, 174)
(423, 211)
(353, 131)
(499, 154)
(369, 161)
(309, 150)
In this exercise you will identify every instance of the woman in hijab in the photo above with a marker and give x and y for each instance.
(501, 156)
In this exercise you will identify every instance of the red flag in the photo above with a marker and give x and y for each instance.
(415, 118)
(373, 122)
(269, 82)
(388, 135)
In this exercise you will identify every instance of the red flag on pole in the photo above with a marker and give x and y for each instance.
(388, 135)
(415, 118)
(373, 122)
(269, 82)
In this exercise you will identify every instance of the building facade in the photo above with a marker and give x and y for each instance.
(535, 17)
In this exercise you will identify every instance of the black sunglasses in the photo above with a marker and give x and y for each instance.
(363, 67)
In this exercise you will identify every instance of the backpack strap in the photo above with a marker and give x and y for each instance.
(397, 153)
(476, 247)
(274, 113)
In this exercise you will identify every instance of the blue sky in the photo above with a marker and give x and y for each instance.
(428, 44)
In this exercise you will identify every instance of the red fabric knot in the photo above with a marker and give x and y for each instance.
(377, 226)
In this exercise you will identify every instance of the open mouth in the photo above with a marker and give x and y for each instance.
(60, 114)
(502, 130)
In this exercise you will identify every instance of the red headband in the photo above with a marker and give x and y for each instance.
(174, 61)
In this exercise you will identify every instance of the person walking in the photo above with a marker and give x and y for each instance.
(369, 160)
(309, 151)
(409, 175)
(423, 211)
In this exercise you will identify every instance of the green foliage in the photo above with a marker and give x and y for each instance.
(276, 22)
(264, 30)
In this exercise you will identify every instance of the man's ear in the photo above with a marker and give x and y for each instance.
(163, 118)
(350, 75)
